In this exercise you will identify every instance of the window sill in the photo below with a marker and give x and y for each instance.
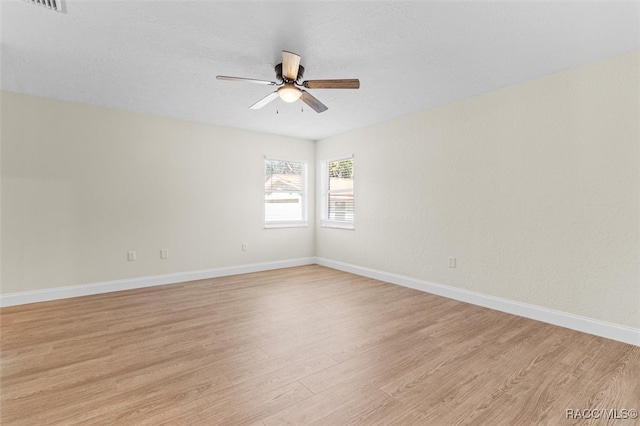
(337, 225)
(276, 225)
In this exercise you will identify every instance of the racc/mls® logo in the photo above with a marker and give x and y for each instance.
(601, 413)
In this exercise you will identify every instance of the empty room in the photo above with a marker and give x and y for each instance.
(319, 213)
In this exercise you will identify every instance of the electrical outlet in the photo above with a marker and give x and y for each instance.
(131, 256)
(164, 253)
(245, 246)
(452, 262)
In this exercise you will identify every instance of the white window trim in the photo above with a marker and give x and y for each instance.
(324, 195)
(304, 222)
(325, 223)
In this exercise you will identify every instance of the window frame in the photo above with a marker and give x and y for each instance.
(304, 193)
(325, 222)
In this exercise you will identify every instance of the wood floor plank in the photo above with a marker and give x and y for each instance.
(374, 363)
(482, 391)
(334, 391)
(362, 410)
(298, 346)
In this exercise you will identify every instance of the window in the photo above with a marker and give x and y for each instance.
(337, 193)
(285, 194)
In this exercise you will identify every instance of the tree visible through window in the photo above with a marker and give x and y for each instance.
(284, 193)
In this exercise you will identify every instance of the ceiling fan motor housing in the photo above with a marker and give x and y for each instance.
(279, 77)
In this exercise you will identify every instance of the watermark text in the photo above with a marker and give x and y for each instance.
(601, 413)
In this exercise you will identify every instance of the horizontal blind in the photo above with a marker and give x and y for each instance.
(340, 190)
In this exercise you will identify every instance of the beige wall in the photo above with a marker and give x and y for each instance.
(82, 185)
(534, 188)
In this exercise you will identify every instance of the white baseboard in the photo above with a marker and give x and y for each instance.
(575, 322)
(24, 297)
(563, 319)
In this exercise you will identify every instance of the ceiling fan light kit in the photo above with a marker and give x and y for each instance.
(289, 93)
(289, 75)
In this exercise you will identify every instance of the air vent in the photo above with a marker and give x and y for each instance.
(49, 4)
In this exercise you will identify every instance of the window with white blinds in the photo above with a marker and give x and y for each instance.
(338, 205)
(285, 194)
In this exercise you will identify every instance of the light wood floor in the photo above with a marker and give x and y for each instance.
(306, 345)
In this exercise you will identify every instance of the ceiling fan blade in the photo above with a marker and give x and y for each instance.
(248, 80)
(352, 83)
(262, 102)
(290, 65)
(315, 104)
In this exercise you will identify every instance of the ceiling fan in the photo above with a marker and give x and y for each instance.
(289, 79)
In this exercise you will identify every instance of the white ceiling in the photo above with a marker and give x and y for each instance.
(161, 57)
